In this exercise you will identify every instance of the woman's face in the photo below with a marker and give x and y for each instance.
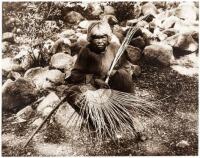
(99, 42)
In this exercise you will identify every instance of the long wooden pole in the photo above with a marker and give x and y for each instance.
(41, 125)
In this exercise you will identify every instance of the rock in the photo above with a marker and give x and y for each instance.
(110, 19)
(16, 95)
(73, 17)
(63, 116)
(8, 36)
(182, 42)
(61, 45)
(160, 35)
(94, 9)
(183, 144)
(138, 42)
(37, 122)
(195, 36)
(108, 10)
(85, 24)
(46, 111)
(5, 46)
(169, 32)
(6, 84)
(62, 61)
(119, 32)
(187, 65)
(169, 22)
(159, 52)
(149, 8)
(53, 78)
(44, 78)
(136, 70)
(13, 75)
(67, 33)
(186, 26)
(133, 53)
(8, 64)
(186, 11)
(25, 59)
(49, 101)
(25, 113)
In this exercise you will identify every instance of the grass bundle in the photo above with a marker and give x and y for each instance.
(106, 112)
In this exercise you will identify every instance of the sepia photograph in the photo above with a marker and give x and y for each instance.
(103, 78)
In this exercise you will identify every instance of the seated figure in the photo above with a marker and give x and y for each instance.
(96, 58)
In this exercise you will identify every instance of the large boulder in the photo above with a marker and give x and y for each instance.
(186, 26)
(186, 11)
(133, 53)
(169, 22)
(94, 9)
(63, 116)
(61, 45)
(138, 42)
(8, 65)
(24, 114)
(108, 10)
(85, 24)
(110, 19)
(17, 94)
(62, 61)
(161, 53)
(187, 65)
(73, 17)
(48, 103)
(67, 33)
(44, 78)
(183, 42)
(5, 46)
(8, 36)
(14, 75)
(149, 8)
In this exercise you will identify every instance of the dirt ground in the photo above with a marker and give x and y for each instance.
(177, 97)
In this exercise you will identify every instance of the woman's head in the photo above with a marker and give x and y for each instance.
(99, 35)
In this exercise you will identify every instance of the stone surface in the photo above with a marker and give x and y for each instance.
(108, 10)
(94, 9)
(169, 22)
(136, 70)
(62, 61)
(16, 95)
(159, 52)
(73, 17)
(49, 101)
(186, 11)
(8, 36)
(25, 113)
(44, 78)
(5, 46)
(14, 75)
(134, 54)
(183, 42)
(37, 122)
(183, 144)
(138, 42)
(149, 8)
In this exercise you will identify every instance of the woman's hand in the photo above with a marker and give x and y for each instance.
(100, 84)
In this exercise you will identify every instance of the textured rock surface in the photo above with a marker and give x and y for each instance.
(18, 94)
(159, 52)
